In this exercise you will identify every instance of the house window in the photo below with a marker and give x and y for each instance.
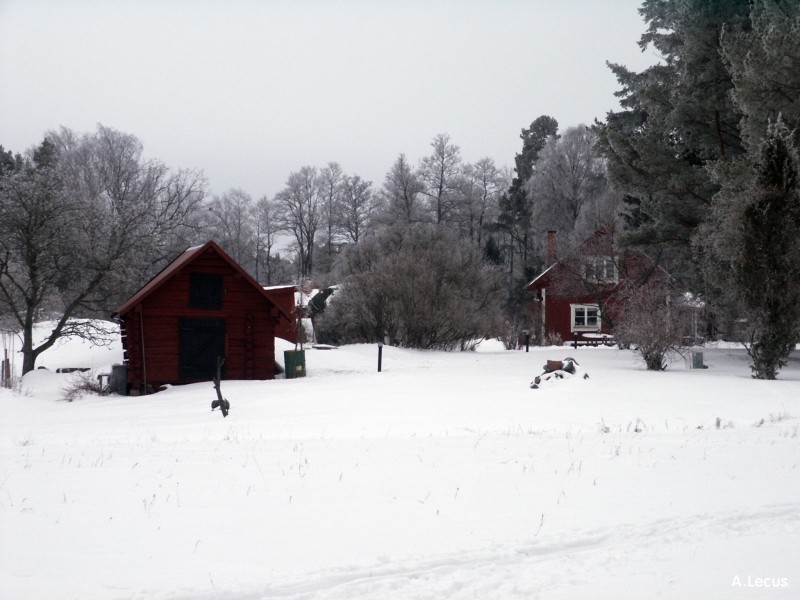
(601, 269)
(585, 317)
(205, 291)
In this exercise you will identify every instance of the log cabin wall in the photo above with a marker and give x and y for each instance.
(238, 319)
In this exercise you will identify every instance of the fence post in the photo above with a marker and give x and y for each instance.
(5, 370)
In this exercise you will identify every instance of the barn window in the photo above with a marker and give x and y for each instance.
(585, 317)
(205, 291)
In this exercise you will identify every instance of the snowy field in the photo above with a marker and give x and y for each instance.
(444, 476)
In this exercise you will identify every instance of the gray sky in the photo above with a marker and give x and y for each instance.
(249, 91)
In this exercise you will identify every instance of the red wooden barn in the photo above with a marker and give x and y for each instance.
(577, 294)
(285, 297)
(201, 306)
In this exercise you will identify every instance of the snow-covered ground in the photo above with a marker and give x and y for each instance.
(444, 476)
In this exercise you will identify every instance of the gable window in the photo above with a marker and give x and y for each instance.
(205, 291)
(601, 269)
(585, 317)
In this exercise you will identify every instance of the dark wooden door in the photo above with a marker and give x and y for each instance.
(201, 342)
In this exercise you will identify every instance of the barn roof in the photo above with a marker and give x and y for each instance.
(186, 258)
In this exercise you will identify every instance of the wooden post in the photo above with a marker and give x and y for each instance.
(220, 402)
(6, 370)
(144, 358)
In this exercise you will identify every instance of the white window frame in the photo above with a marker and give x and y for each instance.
(582, 312)
(592, 265)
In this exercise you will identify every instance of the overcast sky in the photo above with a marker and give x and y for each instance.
(249, 91)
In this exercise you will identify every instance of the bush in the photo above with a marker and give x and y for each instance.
(429, 290)
(655, 321)
(82, 385)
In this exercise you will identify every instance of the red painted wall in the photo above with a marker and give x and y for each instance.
(632, 266)
(250, 320)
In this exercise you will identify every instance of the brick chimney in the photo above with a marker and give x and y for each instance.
(552, 248)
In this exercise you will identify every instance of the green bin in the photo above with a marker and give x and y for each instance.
(295, 363)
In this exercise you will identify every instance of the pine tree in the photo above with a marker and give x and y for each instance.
(751, 250)
(768, 273)
(763, 62)
(677, 118)
(516, 213)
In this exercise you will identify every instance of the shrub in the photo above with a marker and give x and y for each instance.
(654, 320)
(81, 385)
(430, 290)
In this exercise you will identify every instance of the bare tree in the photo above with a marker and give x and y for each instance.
(81, 223)
(401, 193)
(568, 179)
(300, 213)
(355, 207)
(432, 291)
(266, 234)
(233, 226)
(330, 189)
(440, 174)
(483, 184)
(655, 320)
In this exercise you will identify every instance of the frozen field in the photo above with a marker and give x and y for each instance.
(444, 476)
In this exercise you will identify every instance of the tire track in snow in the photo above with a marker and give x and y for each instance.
(521, 571)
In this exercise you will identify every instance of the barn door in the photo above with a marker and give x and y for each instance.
(201, 342)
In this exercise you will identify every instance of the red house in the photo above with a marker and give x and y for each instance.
(201, 306)
(577, 296)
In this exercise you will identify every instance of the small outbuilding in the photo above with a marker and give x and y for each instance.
(202, 306)
(286, 298)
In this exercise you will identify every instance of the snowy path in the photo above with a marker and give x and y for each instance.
(553, 569)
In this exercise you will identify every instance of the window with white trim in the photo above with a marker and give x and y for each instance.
(601, 269)
(585, 317)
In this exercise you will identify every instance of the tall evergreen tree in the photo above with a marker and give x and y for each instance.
(677, 118)
(515, 218)
(752, 248)
(763, 63)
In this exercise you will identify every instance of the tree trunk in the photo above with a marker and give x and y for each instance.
(28, 354)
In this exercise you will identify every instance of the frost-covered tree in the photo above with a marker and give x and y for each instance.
(266, 229)
(568, 186)
(515, 219)
(434, 290)
(355, 207)
(402, 196)
(300, 213)
(763, 64)
(677, 118)
(82, 224)
(483, 183)
(440, 174)
(330, 189)
(654, 319)
(232, 226)
(752, 249)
